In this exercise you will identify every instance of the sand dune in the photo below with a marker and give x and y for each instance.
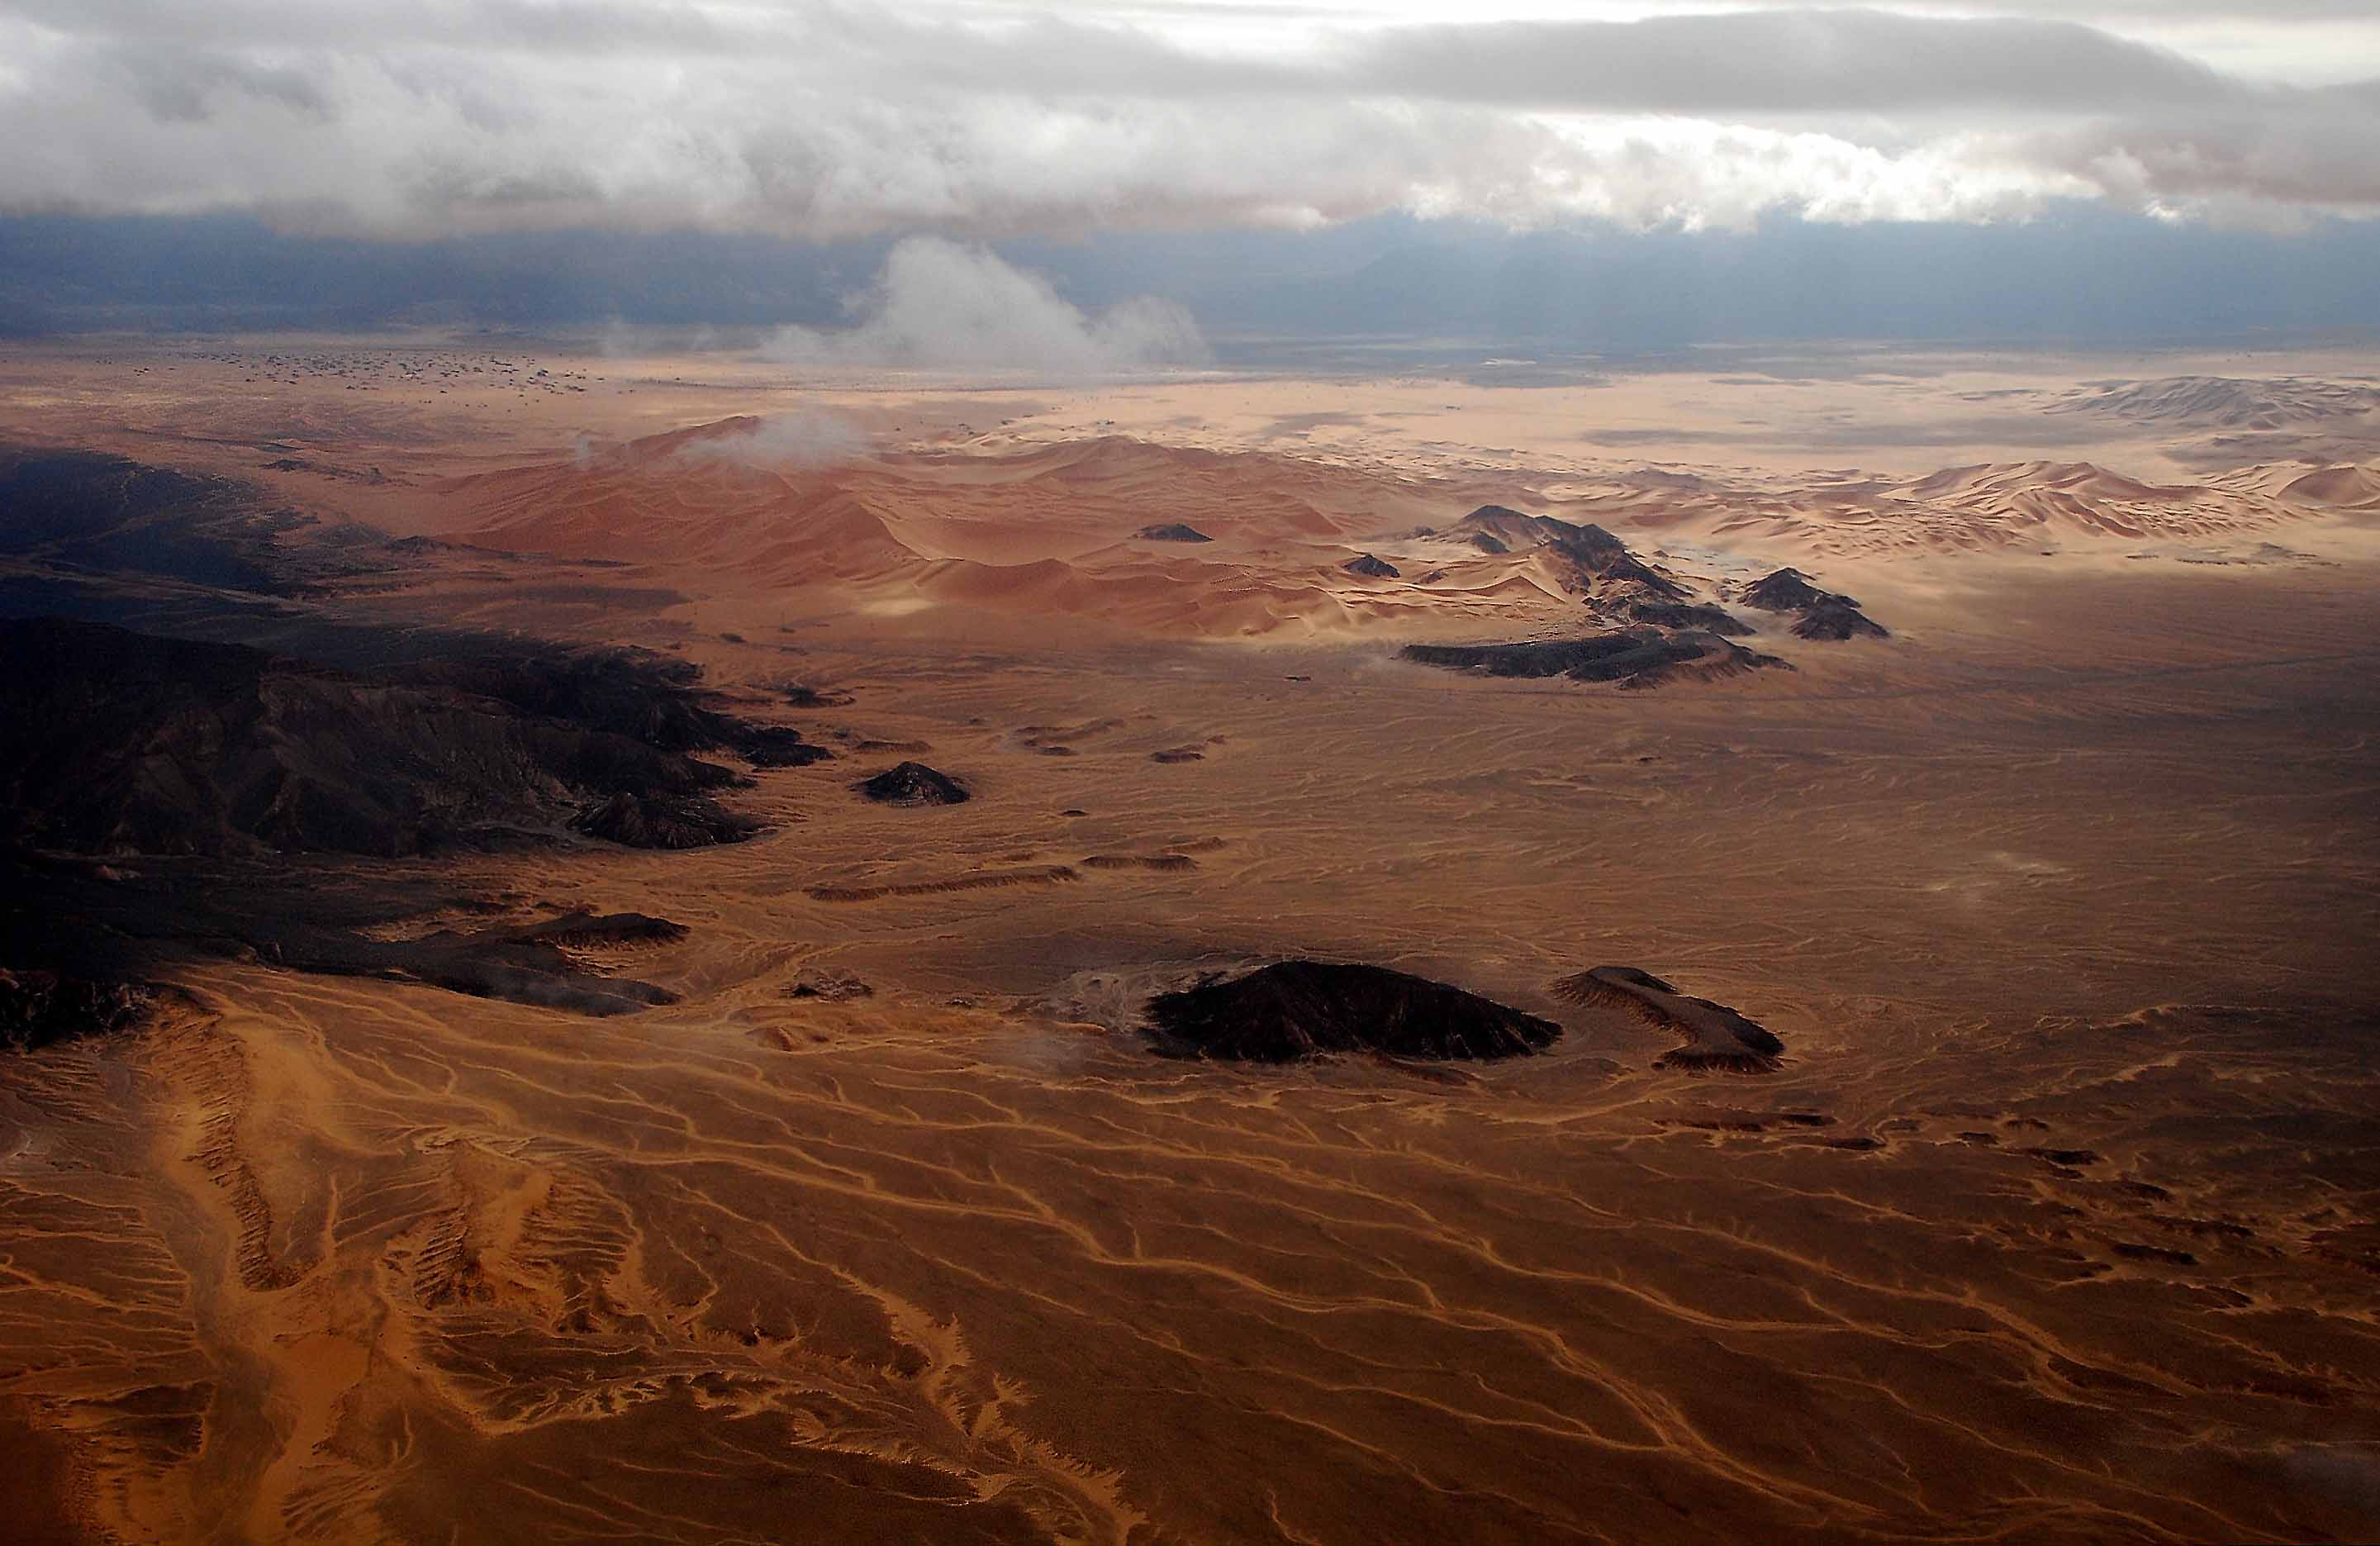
(1059, 529)
(2225, 402)
(2339, 488)
(2001, 505)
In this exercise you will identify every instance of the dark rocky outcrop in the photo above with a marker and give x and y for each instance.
(110, 936)
(1590, 557)
(1509, 529)
(580, 929)
(1369, 568)
(1171, 531)
(827, 988)
(1633, 657)
(639, 821)
(124, 742)
(1825, 614)
(775, 746)
(1618, 566)
(1690, 615)
(1716, 1036)
(1297, 1009)
(1835, 620)
(645, 697)
(913, 783)
(40, 1008)
(93, 511)
(1786, 590)
(264, 751)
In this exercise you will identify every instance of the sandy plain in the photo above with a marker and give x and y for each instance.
(2060, 1221)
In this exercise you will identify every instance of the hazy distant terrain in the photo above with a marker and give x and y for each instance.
(1392, 283)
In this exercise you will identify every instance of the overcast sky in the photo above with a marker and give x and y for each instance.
(976, 118)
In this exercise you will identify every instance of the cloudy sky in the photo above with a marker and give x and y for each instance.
(824, 121)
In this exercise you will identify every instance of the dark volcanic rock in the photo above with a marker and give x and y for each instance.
(584, 931)
(116, 934)
(1786, 590)
(1616, 564)
(1716, 1036)
(1690, 615)
(833, 990)
(1296, 1009)
(1509, 528)
(1582, 538)
(40, 1008)
(1635, 657)
(628, 692)
(1837, 619)
(1171, 531)
(912, 783)
(1593, 555)
(800, 695)
(1824, 614)
(95, 511)
(122, 742)
(778, 746)
(635, 821)
(1369, 568)
(224, 765)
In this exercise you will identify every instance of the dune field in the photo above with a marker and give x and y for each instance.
(609, 1091)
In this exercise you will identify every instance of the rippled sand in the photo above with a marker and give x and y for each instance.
(2061, 1220)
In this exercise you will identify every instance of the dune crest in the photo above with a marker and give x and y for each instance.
(1181, 541)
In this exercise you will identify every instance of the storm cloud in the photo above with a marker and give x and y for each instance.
(413, 119)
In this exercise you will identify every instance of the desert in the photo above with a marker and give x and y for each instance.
(606, 973)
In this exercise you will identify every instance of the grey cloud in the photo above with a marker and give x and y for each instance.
(1749, 62)
(2310, 150)
(821, 120)
(186, 86)
(1836, 61)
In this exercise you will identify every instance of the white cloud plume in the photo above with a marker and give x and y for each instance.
(943, 305)
(799, 437)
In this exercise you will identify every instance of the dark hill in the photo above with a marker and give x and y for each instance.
(86, 947)
(913, 783)
(1369, 568)
(40, 1008)
(124, 742)
(1592, 554)
(1825, 614)
(1714, 1037)
(1297, 1009)
(1837, 619)
(1689, 615)
(1786, 590)
(645, 697)
(92, 511)
(1171, 531)
(1515, 529)
(1633, 657)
